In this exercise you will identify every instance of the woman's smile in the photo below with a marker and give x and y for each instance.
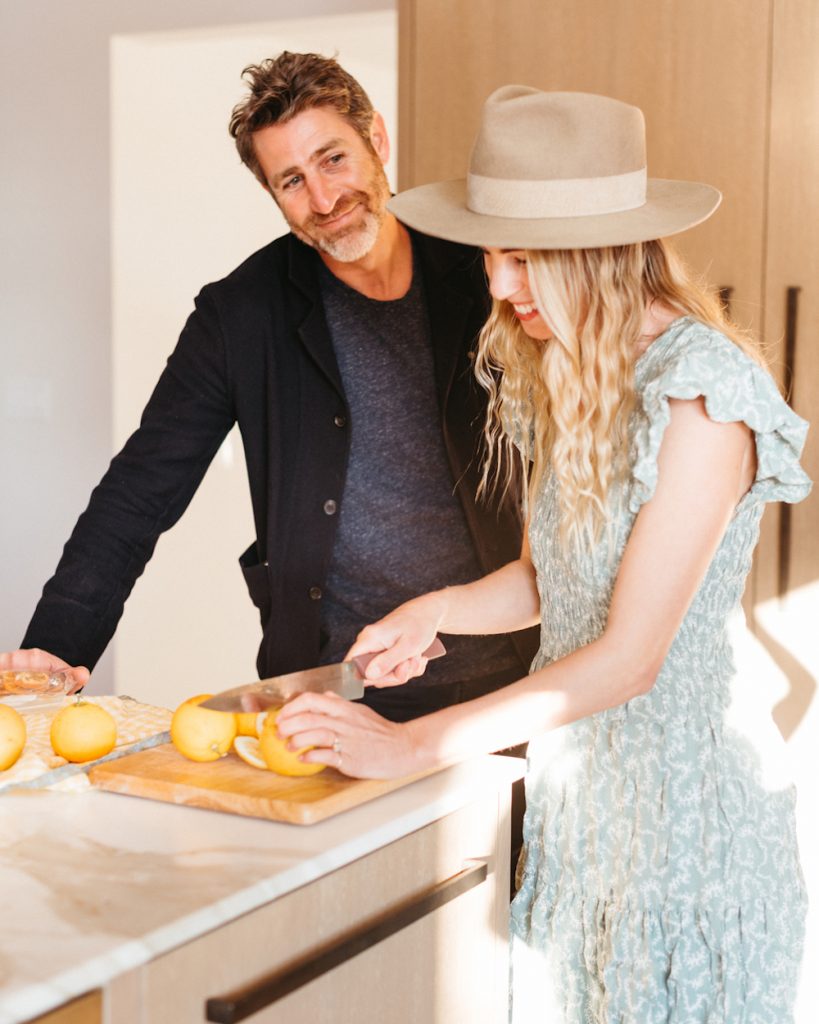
(525, 311)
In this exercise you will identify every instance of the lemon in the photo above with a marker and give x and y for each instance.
(83, 732)
(12, 736)
(261, 718)
(246, 723)
(247, 747)
(276, 755)
(201, 734)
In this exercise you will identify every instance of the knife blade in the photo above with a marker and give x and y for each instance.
(345, 678)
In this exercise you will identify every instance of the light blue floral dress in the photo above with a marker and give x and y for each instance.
(660, 880)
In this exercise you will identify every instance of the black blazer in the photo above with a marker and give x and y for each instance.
(257, 351)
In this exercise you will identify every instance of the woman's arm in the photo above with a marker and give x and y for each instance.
(704, 469)
(502, 602)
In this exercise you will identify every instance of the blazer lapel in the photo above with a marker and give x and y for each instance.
(311, 324)
(450, 305)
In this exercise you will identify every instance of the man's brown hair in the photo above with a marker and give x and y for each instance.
(282, 87)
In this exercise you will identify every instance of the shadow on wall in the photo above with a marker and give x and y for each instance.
(786, 629)
(794, 706)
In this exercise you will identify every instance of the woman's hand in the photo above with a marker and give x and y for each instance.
(400, 639)
(32, 659)
(349, 737)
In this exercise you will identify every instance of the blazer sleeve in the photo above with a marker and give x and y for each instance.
(145, 490)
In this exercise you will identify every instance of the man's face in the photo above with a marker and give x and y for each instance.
(329, 185)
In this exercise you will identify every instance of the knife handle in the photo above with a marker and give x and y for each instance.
(435, 650)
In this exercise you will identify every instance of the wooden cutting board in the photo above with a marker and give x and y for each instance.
(229, 784)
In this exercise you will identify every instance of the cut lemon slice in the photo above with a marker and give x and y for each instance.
(247, 747)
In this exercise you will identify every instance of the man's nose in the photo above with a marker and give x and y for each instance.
(322, 196)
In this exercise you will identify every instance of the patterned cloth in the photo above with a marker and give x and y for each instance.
(135, 722)
(660, 880)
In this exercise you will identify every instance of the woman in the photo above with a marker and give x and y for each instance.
(660, 879)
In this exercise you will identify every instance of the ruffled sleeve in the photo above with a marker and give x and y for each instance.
(695, 361)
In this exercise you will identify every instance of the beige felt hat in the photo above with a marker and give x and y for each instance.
(556, 170)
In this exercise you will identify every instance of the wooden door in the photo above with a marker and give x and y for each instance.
(788, 622)
(792, 267)
(698, 70)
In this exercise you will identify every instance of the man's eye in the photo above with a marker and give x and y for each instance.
(291, 182)
(335, 159)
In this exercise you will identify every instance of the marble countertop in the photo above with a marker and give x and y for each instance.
(93, 884)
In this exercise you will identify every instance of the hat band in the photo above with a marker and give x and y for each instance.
(557, 197)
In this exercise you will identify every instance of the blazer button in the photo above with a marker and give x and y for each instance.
(315, 593)
(340, 421)
(330, 507)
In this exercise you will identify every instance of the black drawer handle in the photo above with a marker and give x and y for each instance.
(242, 1002)
(791, 316)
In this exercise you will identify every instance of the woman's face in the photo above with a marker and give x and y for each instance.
(508, 276)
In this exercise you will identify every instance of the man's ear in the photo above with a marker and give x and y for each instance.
(379, 139)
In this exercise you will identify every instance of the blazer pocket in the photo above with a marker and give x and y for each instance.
(257, 581)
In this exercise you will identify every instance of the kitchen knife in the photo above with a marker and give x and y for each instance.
(346, 679)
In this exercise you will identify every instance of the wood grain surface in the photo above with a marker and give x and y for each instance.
(229, 784)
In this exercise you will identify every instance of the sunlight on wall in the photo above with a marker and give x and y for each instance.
(185, 212)
(781, 668)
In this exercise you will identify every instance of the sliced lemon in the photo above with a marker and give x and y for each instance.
(247, 747)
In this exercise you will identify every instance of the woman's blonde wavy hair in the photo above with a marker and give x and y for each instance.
(576, 392)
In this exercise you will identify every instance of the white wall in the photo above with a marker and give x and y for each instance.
(56, 433)
(185, 212)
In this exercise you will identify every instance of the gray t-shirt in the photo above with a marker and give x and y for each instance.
(401, 529)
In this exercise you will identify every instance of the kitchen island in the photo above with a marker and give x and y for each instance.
(395, 911)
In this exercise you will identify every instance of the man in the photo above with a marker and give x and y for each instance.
(343, 352)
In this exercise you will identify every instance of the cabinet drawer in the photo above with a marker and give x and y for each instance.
(435, 969)
(423, 971)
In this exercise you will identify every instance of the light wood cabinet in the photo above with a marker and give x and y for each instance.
(731, 97)
(416, 931)
(85, 1010)
(792, 258)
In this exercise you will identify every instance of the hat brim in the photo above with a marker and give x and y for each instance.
(440, 210)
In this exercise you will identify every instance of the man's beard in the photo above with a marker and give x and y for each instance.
(355, 241)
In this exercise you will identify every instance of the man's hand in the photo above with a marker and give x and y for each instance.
(34, 660)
